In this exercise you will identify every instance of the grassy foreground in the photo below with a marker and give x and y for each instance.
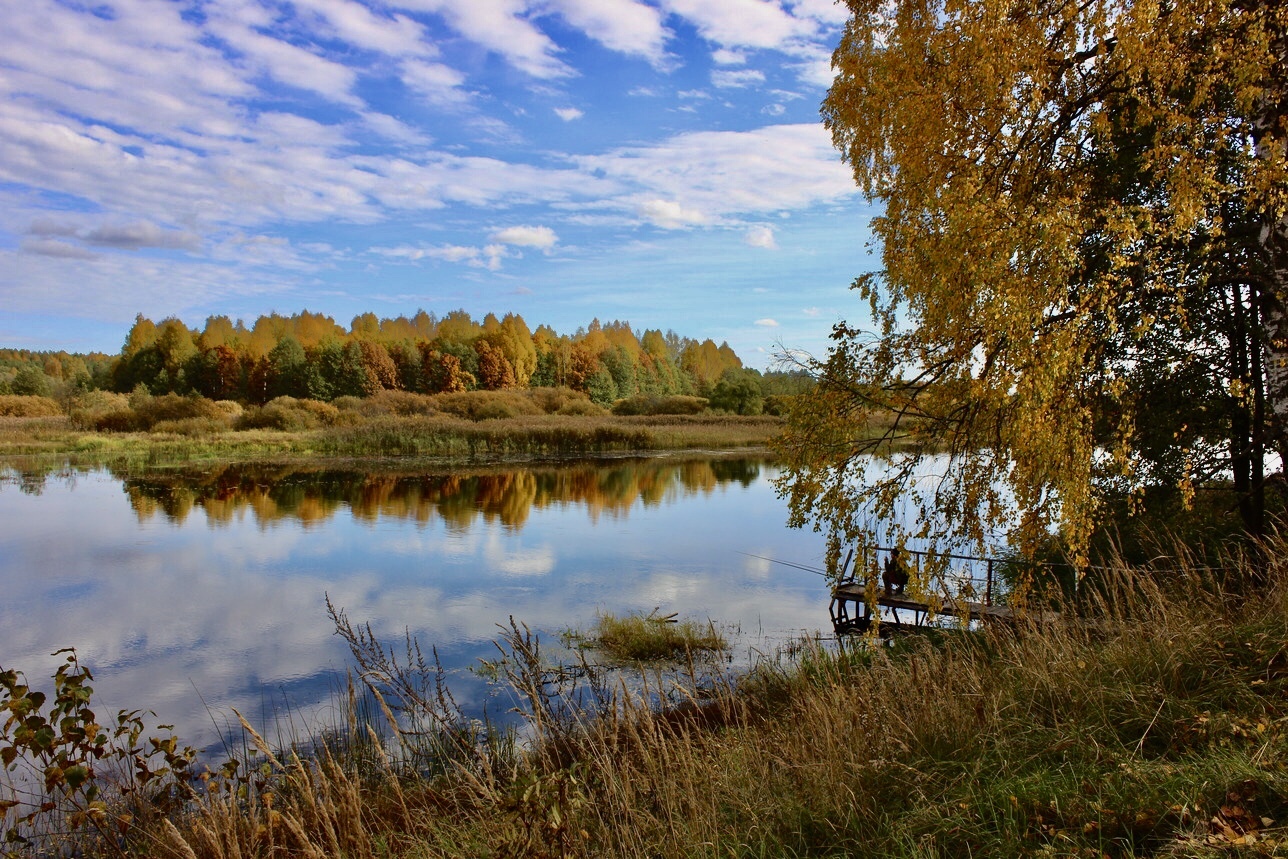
(1155, 724)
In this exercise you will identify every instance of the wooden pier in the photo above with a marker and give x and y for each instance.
(965, 589)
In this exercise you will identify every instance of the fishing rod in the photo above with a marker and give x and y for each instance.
(815, 570)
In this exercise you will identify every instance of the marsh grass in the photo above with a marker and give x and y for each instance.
(432, 436)
(639, 637)
(1152, 720)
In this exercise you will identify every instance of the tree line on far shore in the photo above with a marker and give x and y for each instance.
(310, 356)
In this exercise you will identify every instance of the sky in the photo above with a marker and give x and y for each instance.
(656, 161)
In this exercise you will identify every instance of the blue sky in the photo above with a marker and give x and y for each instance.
(658, 161)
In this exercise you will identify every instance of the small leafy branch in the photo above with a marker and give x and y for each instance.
(66, 774)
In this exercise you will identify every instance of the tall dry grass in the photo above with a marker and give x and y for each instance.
(1152, 720)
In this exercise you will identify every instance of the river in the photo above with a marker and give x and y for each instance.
(191, 592)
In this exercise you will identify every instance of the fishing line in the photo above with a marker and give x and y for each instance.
(815, 570)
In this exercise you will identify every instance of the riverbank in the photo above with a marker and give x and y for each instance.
(437, 437)
(1153, 723)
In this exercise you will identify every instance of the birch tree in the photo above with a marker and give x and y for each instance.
(1084, 273)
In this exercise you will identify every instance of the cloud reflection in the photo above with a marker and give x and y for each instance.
(188, 591)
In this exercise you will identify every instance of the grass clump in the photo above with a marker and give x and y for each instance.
(649, 637)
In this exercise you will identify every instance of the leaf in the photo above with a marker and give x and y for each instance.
(76, 776)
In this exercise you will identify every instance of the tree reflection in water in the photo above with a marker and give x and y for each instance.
(314, 494)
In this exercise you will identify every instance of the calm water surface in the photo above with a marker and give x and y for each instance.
(191, 593)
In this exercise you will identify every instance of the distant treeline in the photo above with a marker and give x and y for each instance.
(310, 356)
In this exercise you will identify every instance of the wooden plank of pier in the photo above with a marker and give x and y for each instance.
(857, 592)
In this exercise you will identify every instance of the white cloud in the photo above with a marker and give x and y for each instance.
(742, 23)
(670, 215)
(773, 109)
(701, 177)
(501, 27)
(359, 25)
(737, 78)
(568, 114)
(812, 312)
(829, 12)
(114, 287)
(625, 26)
(394, 129)
(275, 252)
(287, 63)
(435, 82)
(492, 256)
(543, 238)
(815, 65)
(762, 237)
(144, 68)
(727, 57)
(488, 257)
(767, 323)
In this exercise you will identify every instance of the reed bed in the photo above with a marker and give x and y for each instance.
(439, 436)
(1152, 720)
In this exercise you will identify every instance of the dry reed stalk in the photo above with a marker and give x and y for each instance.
(259, 741)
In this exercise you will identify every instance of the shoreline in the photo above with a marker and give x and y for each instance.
(51, 443)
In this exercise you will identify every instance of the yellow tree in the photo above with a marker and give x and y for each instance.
(1084, 246)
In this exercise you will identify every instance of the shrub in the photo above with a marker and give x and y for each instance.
(581, 408)
(28, 406)
(403, 403)
(348, 403)
(121, 420)
(324, 412)
(669, 405)
(172, 407)
(349, 418)
(231, 408)
(140, 412)
(484, 405)
(89, 407)
(553, 401)
(289, 414)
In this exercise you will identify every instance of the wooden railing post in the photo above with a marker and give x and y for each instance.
(988, 584)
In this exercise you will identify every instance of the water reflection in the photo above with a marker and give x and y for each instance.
(205, 588)
(314, 495)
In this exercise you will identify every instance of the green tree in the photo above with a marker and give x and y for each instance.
(31, 381)
(1085, 251)
(287, 369)
(621, 364)
(738, 392)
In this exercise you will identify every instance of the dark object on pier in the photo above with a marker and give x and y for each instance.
(959, 593)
